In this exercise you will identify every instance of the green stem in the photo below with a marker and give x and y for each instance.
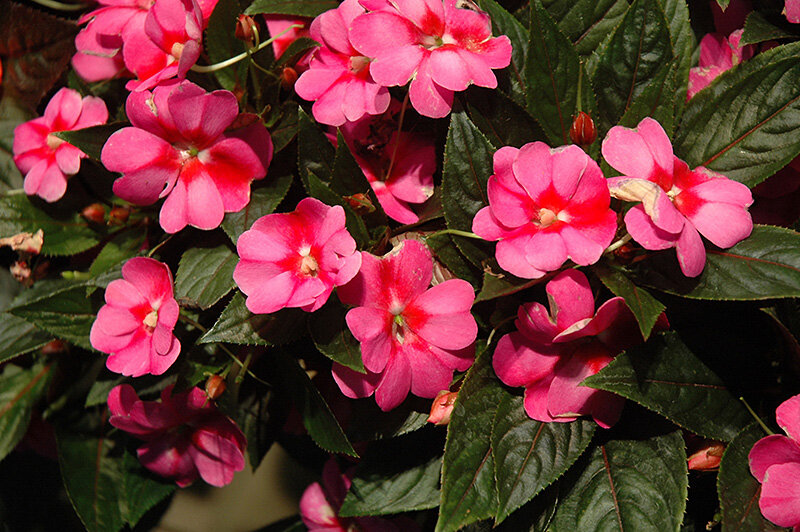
(14, 192)
(244, 55)
(397, 140)
(755, 416)
(491, 334)
(152, 251)
(58, 6)
(618, 244)
(465, 234)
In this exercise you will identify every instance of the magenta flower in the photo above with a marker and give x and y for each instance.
(546, 206)
(775, 462)
(46, 160)
(439, 47)
(677, 204)
(550, 355)
(717, 54)
(135, 325)
(338, 77)
(792, 10)
(295, 259)
(179, 148)
(185, 435)
(412, 337)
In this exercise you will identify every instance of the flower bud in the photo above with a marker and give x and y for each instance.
(288, 77)
(442, 407)
(215, 386)
(94, 213)
(625, 252)
(583, 132)
(360, 203)
(54, 347)
(708, 457)
(118, 215)
(244, 28)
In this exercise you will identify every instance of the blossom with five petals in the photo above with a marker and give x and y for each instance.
(46, 160)
(135, 325)
(185, 435)
(677, 204)
(717, 54)
(546, 206)
(412, 337)
(295, 259)
(186, 151)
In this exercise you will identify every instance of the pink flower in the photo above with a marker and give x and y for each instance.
(295, 259)
(439, 47)
(717, 54)
(398, 164)
(792, 10)
(185, 435)
(546, 206)
(135, 325)
(179, 148)
(279, 23)
(550, 355)
(45, 159)
(677, 204)
(775, 462)
(412, 337)
(338, 77)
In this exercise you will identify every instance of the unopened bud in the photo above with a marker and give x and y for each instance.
(707, 458)
(442, 407)
(244, 28)
(54, 347)
(94, 213)
(288, 77)
(215, 386)
(21, 272)
(118, 215)
(360, 203)
(625, 252)
(583, 132)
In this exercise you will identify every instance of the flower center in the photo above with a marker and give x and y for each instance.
(431, 42)
(176, 50)
(398, 329)
(548, 217)
(308, 264)
(54, 142)
(358, 63)
(151, 320)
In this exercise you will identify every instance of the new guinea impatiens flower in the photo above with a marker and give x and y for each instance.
(792, 10)
(45, 160)
(182, 146)
(775, 462)
(546, 206)
(412, 337)
(295, 259)
(185, 435)
(338, 77)
(551, 354)
(677, 204)
(717, 54)
(135, 325)
(438, 46)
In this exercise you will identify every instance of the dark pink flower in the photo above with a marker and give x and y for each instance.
(733, 17)
(412, 337)
(135, 325)
(792, 10)
(551, 354)
(439, 47)
(717, 54)
(46, 160)
(185, 435)
(775, 462)
(546, 206)
(279, 23)
(677, 204)
(295, 259)
(181, 147)
(338, 77)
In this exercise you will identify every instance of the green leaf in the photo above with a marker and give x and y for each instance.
(645, 307)
(263, 200)
(758, 29)
(18, 337)
(495, 286)
(635, 59)
(58, 307)
(20, 390)
(746, 124)
(12, 114)
(315, 153)
(683, 45)
(503, 121)
(763, 266)
(626, 485)
(303, 8)
(553, 73)
(221, 44)
(368, 422)
(68, 234)
(283, 124)
(738, 489)
(447, 253)
(723, 4)
(469, 492)
(261, 423)
(205, 275)
(333, 338)
(656, 101)
(318, 419)
(529, 455)
(122, 246)
(297, 47)
(587, 22)
(90, 140)
(504, 23)
(666, 377)
(467, 167)
(237, 325)
(317, 188)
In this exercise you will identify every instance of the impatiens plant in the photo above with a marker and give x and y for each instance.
(474, 264)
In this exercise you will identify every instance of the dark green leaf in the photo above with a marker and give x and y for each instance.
(315, 153)
(12, 114)
(448, 254)
(263, 200)
(666, 377)
(298, 46)
(90, 140)
(221, 44)
(683, 45)
(205, 275)
(501, 119)
(368, 422)
(758, 29)
(723, 4)
(645, 307)
(20, 390)
(535, 516)
(636, 57)
(763, 266)
(237, 325)
(303, 8)
(317, 188)
(469, 492)
(738, 488)
(333, 338)
(529, 455)
(495, 286)
(587, 22)
(98, 393)
(140, 490)
(18, 337)
(626, 485)
(65, 235)
(657, 101)
(283, 125)
(504, 23)
(260, 423)
(746, 124)
(124, 245)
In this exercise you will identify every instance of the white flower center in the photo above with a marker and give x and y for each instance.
(308, 265)
(54, 142)
(151, 320)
